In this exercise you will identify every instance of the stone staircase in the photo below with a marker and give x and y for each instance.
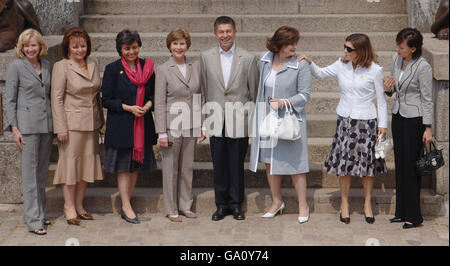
(323, 26)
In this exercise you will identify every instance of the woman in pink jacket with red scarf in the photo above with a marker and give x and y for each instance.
(127, 92)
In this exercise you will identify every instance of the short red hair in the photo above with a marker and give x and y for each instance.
(75, 33)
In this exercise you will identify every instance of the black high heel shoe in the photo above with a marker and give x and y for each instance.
(410, 225)
(396, 220)
(369, 220)
(344, 220)
(135, 220)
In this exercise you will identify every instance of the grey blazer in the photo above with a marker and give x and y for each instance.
(242, 88)
(173, 90)
(28, 98)
(414, 94)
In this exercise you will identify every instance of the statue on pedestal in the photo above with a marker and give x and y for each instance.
(15, 17)
(440, 26)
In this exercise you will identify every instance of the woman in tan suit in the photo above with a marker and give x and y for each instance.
(177, 98)
(77, 119)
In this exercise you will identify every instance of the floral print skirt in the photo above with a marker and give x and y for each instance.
(353, 149)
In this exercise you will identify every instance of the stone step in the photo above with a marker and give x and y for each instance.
(247, 23)
(220, 7)
(324, 85)
(318, 126)
(321, 58)
(312, 41)
(327, 102)
(318, 149)
(331, 84)
(257, 200)
(204, 177)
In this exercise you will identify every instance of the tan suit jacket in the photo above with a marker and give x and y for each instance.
(242, 88)
(76, 103)
(174, 91)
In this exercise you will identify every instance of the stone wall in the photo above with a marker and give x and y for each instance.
(421, 13)
(10, 181)
(437, 54)
(56, 16)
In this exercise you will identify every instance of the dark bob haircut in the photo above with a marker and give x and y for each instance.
(75, 33)
(127, 37)
(283, 36)
(224, 20)
(414, 39)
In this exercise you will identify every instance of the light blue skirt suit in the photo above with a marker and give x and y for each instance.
(293, 82)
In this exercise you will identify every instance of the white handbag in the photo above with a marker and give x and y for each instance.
(383, 147)
(286, 128)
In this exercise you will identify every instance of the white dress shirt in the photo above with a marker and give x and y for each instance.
(270, 81)
(358, 89)
(226, 59)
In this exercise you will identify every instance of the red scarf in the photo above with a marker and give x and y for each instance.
(139, 78)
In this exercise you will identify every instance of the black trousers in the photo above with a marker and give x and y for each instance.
(228, 157)
(407, 134)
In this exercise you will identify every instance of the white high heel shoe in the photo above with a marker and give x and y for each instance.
(303, 219)
(271, 215)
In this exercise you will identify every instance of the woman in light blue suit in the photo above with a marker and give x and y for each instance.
(29, 116)
(282, 80)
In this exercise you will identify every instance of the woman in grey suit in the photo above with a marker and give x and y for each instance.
(29, 116)
(178, 88)
(412, 116)
(283, 78)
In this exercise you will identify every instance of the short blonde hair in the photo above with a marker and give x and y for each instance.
(25, 37)
(177, 34)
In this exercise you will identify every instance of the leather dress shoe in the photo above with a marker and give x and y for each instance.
(220, 214)
(397, 220)
(238, 214)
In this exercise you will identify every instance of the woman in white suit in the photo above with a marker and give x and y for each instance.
(359, 122)
(29, 116)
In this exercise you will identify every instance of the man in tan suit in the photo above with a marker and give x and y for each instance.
(230, 79)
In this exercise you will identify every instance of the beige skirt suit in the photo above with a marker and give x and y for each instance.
(175, 91)
(77, 110)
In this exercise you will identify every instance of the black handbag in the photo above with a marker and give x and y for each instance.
(429, 160)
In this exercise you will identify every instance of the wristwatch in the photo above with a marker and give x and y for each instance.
(427, 126)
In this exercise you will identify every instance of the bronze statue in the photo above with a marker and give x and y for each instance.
(440, 26)
(15, 17)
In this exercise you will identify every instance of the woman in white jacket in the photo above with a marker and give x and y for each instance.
(353, 149)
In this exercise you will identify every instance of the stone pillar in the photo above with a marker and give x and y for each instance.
(10, 181)
(56, 16)
(436, 52)
(421, 13)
